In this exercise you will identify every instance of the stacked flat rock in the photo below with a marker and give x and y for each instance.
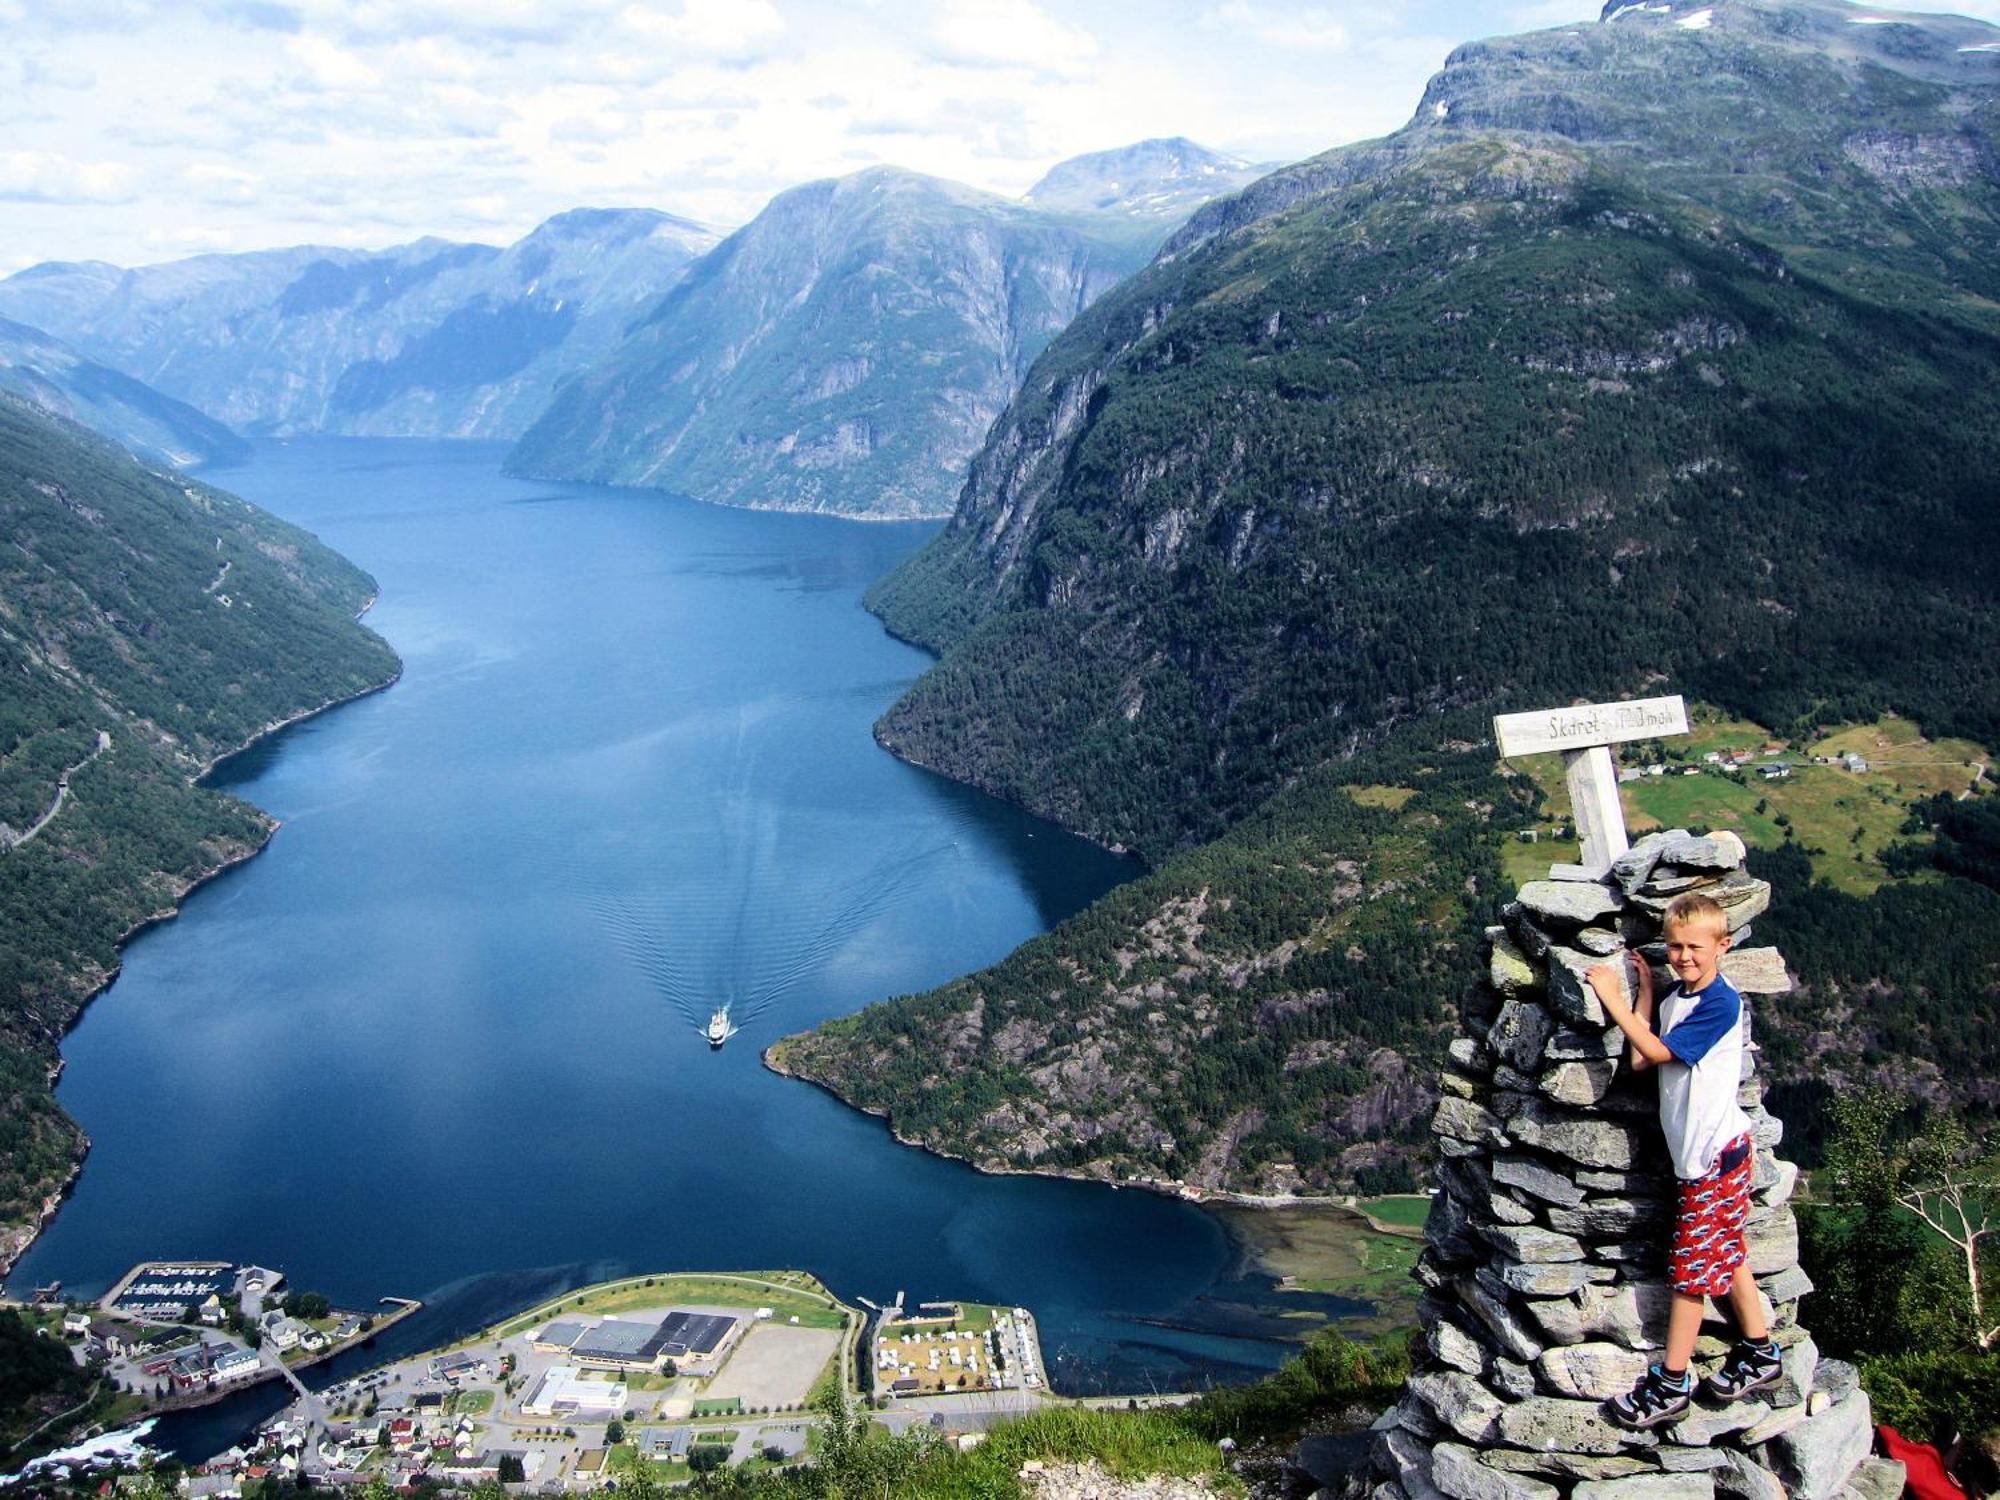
(1545, 1264)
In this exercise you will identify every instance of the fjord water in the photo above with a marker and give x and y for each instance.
(441, 1039)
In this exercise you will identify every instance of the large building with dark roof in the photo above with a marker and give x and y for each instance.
(695, 1334)
(621, 1345)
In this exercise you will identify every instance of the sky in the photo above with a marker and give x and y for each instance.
(137, 131)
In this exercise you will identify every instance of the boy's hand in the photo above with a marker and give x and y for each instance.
(1645, 973)
(1608, 984)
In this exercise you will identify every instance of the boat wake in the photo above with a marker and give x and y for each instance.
(724, 951)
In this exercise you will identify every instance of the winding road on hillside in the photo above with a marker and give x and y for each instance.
(62, 791)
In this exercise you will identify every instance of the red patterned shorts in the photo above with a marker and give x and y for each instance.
(1708, 1237)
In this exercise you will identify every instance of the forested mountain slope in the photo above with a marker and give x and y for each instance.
(845, 351)
(148, 625)
(429, 339)
(1645, 348)
(1655, 350)
(58, 379)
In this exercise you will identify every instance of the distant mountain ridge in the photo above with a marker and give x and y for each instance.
(845, 351)
(1159, 178)
(57, 378)
(427, 339)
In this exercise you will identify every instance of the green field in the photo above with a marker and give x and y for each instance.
(1327, 1249)
(789, 1294)
(1401, 1210)
(1844, 820)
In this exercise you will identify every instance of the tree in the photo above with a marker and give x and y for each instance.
(1944, 1182)
(511, 1469)
(706, 1457)
(614, 1431)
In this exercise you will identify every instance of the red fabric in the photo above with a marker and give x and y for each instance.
(1923, 1467)
(1708, 1237)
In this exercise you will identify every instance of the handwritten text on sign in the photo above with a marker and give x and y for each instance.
(1587, 724)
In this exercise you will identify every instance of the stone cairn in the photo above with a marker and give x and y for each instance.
(1545, 1264)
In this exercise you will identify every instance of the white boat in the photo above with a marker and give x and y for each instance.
(719, 1029)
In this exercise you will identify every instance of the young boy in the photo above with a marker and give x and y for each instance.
(1698, 1048)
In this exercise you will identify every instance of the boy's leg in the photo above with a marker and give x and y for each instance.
(1683, 1328)
(1748, 1306)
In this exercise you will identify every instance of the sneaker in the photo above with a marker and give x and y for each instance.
(1657, 1398)
(1749, 1367)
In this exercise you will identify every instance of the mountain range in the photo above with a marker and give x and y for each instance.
(428, 339)
(1652, 350)
(845, 351)
(58, 379)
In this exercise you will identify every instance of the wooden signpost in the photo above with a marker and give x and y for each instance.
(1583, 734)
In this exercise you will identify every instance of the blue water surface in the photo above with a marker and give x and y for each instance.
(442, 1038)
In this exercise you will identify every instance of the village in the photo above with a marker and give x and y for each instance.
(680, 1373)
(183, 1333)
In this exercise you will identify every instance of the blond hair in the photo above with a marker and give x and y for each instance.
(1697, 910)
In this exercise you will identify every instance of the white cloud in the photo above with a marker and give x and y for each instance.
(47, 177)
(1312, 26)
(1011, 33)
(726, 28)
(190, 239)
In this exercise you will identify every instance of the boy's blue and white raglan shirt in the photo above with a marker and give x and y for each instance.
(1698, 1108)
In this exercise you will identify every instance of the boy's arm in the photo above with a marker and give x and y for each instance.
(1636, 1021)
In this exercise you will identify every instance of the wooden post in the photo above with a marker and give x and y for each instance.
(1583, 735)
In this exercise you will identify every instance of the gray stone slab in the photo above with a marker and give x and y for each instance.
(1602, 1217)
(1715, 852)
(1548, 1280)
(1532, 1177)
(1460, 1402)
(1520, 1032)
(1691, 1460)
(1704, 1425)
(1587, 1142)
(1568, 1465)
(1876, 1479)
(1508, 969)
(1458, 1472)
(1591, 1371)
(1570, 994)
(1470, 1057)
(1553, 1423)
(1569, 903)
(1513, 1334)
(1633, 1314)
(1773, 1244)
(1569, 1044)
(1454, 1348)
(1526, 1242)
(1648, 1487)
(1463, 1120)
(1815, 1458)
(1579, 1084)
(1743, 1478)
(1510, 1378)
(1757, 971)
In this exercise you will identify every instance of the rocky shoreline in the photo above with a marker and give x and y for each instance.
(1187, 1192)
(17, 1239)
